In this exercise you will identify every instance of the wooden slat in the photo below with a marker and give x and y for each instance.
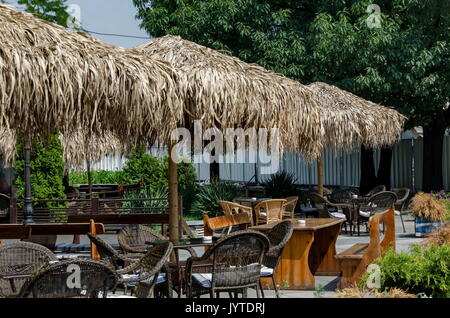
(121, 218)
(15, 233)
(221, 222)
(356, 251)
(53, 228)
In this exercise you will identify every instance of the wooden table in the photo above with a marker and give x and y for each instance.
(309, 252)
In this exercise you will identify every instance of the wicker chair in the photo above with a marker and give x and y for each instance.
(146, 272)
(376, 190)
(323, 205)
(402, 199)
(110, 255)
(341, 196)
(71, 279)
(133, 238)
(278, 237)
(19, 259)
(289, 209)
(230, 208)
(236, 265)
(379, 202)
(270, 211)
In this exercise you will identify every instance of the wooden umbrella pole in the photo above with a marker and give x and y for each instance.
(28, 207)
(173, 199)
(320, 174)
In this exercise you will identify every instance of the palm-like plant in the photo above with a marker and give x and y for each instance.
(280, 185)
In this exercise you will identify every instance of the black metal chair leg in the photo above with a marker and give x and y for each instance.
(275, 286)
(262, 289)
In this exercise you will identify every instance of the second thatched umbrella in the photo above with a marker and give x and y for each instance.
(52, 80)
(350, 120)
(225, 92)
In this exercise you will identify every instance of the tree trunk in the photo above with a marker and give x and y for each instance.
(384, 169)
(433, 138)
(368, 178)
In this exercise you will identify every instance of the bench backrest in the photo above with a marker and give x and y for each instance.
(376, 248)
(221, 222)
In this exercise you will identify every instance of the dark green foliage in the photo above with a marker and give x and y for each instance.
(47, 169)
(208, 197)
(98, 177)
(143, 167)
(423, 270)
(147, 193)
(280, 185)
(53, 11)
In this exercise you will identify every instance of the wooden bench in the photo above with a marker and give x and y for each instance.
(243, 220)
(21, 231)
(353, 262)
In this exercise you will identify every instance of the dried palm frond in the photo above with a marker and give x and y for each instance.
(54, 79)
(351, 120)
(226, 92)
(357, 292)
(440, 236)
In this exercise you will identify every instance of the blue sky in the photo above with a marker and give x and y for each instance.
(110, 16)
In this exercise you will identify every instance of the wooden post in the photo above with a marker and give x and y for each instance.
(320, 174)
(173, 199)
(94, 252)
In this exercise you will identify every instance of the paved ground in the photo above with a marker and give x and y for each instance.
(325, 285)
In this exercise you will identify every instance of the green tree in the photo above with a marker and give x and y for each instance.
(403, 63)
(51, 10)
(47, 168)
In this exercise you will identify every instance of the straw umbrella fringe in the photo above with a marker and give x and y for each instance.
(350, 120)
(52, 79)
(223, 91)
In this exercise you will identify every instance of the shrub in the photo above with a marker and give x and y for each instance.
(147, 193)
(423, 270)
(47, 170)
(280, 185)
(208, 197)
(143, 167)
(98, 177)
(424, 205)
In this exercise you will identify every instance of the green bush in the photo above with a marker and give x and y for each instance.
(147, 193)
(423, 270)
(47, 169)
(143, 167)
(280, 185)
(98, 177)
(208, 197)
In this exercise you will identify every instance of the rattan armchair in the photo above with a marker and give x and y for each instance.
(270, 211)
(110, 255)
(402, 200)
(377, 189)
(133, 238)
(236, 265)
(71, 279)
(146, 272)
(230, 208)
(278, 237)
(341, 196)
(17, 262)
(322, 205)
(289, 208)
(379, 202)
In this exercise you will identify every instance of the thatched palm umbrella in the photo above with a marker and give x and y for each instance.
(225, 92)
(53, 79)
(350, 120)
